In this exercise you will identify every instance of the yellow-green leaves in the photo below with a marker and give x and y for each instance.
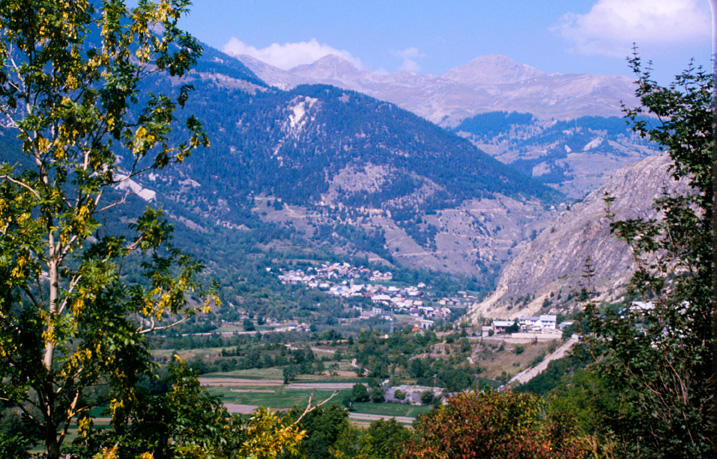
(70, 87)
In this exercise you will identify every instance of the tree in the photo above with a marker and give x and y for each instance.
(290, 372)
(70, 91)
(358, 394)
(495, 425)
(427, 397)
(322, 427)
(183, 421)
(659, 358)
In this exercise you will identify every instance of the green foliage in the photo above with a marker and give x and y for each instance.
(591, 399)
(385, 439)
(14, 446)
(323, 426)
(359, 394)
(513, 328)
(68, 321)
(427, 397)
(178, 419)
(377, 395)
(659, 360)
(553, 376)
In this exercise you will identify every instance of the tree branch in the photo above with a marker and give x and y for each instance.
(153, 326)
(19, 183)
(309, 408)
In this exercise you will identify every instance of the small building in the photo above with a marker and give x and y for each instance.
(500, 326)
(548, 321)
(528, 322)
(425, 324)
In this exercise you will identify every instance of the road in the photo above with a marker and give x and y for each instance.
(526, 375)
(326, 386)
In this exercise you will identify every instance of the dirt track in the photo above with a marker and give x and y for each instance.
(275, 382)
(526, 375)
(241, 409)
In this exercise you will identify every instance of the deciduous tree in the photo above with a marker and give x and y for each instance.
(70, 91)
(493, 425)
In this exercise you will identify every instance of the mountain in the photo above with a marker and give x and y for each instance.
(573, 140)
(319, 169)
(486, 84)
(575, 156)
(490, 70)
(545, 277)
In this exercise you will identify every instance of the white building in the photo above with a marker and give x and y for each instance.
(548, 322)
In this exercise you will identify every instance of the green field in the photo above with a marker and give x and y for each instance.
(281, 399)
(390, 409)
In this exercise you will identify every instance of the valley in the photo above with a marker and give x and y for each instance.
(358, 225)
(205, 254)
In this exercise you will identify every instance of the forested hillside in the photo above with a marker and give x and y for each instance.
(322, 168)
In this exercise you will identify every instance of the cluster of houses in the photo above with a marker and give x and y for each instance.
(544, 323)
(340, 279)
(329, 271)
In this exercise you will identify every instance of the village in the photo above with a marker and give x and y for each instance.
(347, 281)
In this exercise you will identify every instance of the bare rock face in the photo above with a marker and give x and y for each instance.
(544, 277)
(492, 69)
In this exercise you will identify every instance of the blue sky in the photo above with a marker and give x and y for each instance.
(431, 36)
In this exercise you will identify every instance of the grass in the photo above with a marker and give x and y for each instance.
(495, 362)
(391, 409)
(281, 399)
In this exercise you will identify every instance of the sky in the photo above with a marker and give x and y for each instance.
(432, 36)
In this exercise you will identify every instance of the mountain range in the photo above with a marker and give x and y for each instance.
(486, 84)
(573, 140)
(316, 170)
(320, 168)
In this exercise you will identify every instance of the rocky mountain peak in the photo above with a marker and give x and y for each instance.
(328, 67)
(492, 69)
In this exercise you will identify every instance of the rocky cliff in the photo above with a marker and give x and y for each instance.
(545, 277)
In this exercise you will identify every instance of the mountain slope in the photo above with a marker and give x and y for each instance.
(573, 142)
(575, 156)
(544, 276)
(326, 168)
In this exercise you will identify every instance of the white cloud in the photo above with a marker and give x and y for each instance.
(409, 56)
(612, 26)
(288, 55)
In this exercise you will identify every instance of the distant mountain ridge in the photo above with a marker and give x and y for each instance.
(492, 69)
(556, 147)
(487, 83)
